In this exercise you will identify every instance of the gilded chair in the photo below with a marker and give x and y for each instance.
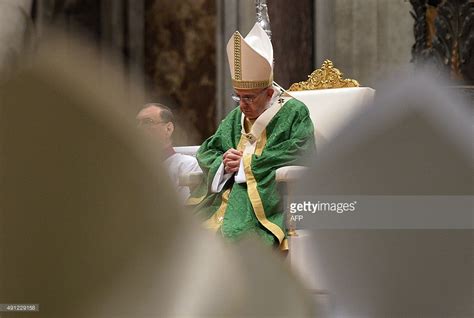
(332, 102)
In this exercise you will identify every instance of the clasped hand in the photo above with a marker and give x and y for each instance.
(232, 159)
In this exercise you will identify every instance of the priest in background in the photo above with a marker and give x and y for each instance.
(157, 120)
(239, 194)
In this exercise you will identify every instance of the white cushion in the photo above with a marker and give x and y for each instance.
(290, 173)
(332, 109)
(187, 150)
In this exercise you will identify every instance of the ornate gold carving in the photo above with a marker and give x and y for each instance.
(325, 77)
(237, 57)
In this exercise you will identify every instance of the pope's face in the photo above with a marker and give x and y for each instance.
(253, 102)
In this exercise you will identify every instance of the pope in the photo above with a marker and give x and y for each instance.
(266, 131)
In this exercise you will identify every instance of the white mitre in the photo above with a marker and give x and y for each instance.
(251, 59)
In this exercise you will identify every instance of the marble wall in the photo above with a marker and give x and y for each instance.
(112, 29)
(180, 63)
(292, 26)
(177, 48)
(166, 47)
(367, 40)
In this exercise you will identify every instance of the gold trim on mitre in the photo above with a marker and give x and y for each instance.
(237, 56)
(323, 78)
(250, 59)
(251, 84)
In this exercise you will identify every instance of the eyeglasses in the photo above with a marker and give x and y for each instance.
(149, 122)
(246, 99)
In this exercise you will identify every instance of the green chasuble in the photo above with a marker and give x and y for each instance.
(254, 206)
